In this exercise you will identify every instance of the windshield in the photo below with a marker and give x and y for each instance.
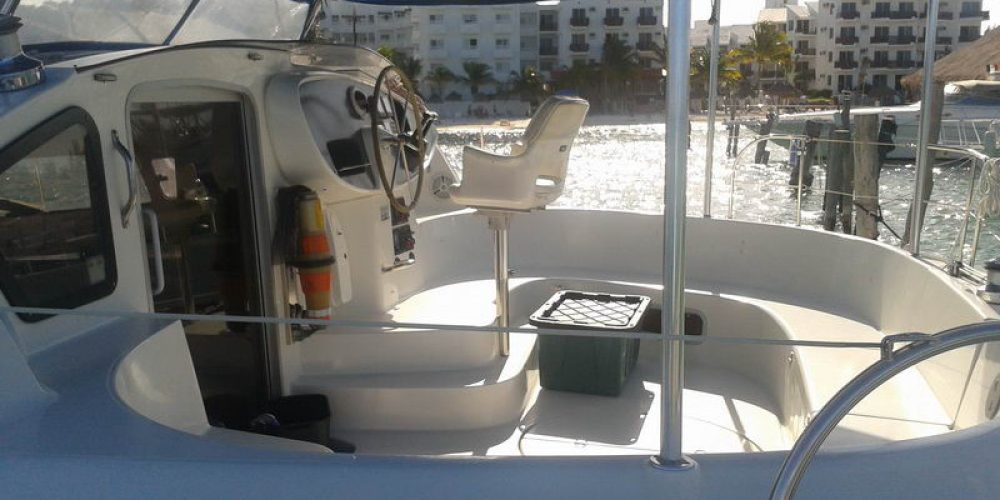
(153, 21)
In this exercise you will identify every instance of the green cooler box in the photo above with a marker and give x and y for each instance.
(588, 365)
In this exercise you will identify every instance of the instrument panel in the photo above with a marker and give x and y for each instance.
(337, 113)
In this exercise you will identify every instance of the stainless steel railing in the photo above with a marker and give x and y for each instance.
(955, 260)
(892, 362)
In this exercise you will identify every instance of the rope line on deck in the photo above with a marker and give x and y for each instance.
(430, 327)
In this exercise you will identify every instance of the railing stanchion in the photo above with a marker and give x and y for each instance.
(926, 105)
(674, 212)
(713, 95)
(798, 194)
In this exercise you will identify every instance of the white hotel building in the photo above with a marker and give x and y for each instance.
(508, 38)
(850, 44)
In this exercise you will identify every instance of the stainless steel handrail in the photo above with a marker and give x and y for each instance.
(346, 327)
(977, 157)
(133, 178)
(922, 347)
(980, 164)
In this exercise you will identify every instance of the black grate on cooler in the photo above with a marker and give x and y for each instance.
(592, 310)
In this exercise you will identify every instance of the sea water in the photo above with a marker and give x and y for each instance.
(620, 167)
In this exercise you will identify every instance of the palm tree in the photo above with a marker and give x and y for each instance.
(528, 84)
(768, 45)
(619, 65)
(477, 74)
(409, 65)
(438, 78)
(579, 77)
(729, 75)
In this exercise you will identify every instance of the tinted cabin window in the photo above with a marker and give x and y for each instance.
(56, 248)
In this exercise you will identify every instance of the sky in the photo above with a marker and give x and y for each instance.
(745, 11)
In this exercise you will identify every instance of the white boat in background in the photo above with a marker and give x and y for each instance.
(223, 242)
(971, 108)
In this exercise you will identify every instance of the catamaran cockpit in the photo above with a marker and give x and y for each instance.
(243, 268)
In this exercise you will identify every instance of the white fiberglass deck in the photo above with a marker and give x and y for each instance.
(563, 423)
(728, 407)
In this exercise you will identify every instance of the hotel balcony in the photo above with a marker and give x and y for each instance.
(983, 14)
(968, 38)
(614, 21)
(849, 14)
(902, 14)
(902, 40)
(845, 64)
(579, 22)
(887, 64)
(645, 46)
(548, 50)
(846, 40)
(579, 47)
(548, 26)
(946, 16)
(647, 20)
(941, 40)
(808, 51)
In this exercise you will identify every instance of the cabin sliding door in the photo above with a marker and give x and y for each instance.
(195, 168)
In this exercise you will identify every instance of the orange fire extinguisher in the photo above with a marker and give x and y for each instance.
(306, 247)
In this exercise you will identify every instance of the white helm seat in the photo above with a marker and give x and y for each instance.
(534, 173)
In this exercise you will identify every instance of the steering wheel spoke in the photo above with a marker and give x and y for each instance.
(386, 136)
(394, 133)
(396, 166)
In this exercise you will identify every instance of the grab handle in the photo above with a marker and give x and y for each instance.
(133, 179)
(154, 227)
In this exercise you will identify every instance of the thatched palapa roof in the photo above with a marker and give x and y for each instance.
(968, 63)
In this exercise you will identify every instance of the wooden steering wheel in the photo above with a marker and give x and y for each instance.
(398, 136)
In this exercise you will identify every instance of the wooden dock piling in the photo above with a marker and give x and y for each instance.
(806, 156)
(733, 139)
(762, 155)
(866, 174)
(733, 147)
(836, 181)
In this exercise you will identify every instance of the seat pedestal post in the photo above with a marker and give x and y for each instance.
(499, 223)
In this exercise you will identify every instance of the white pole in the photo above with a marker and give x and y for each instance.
(926, 105)
(674, 207)
(713, 97)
